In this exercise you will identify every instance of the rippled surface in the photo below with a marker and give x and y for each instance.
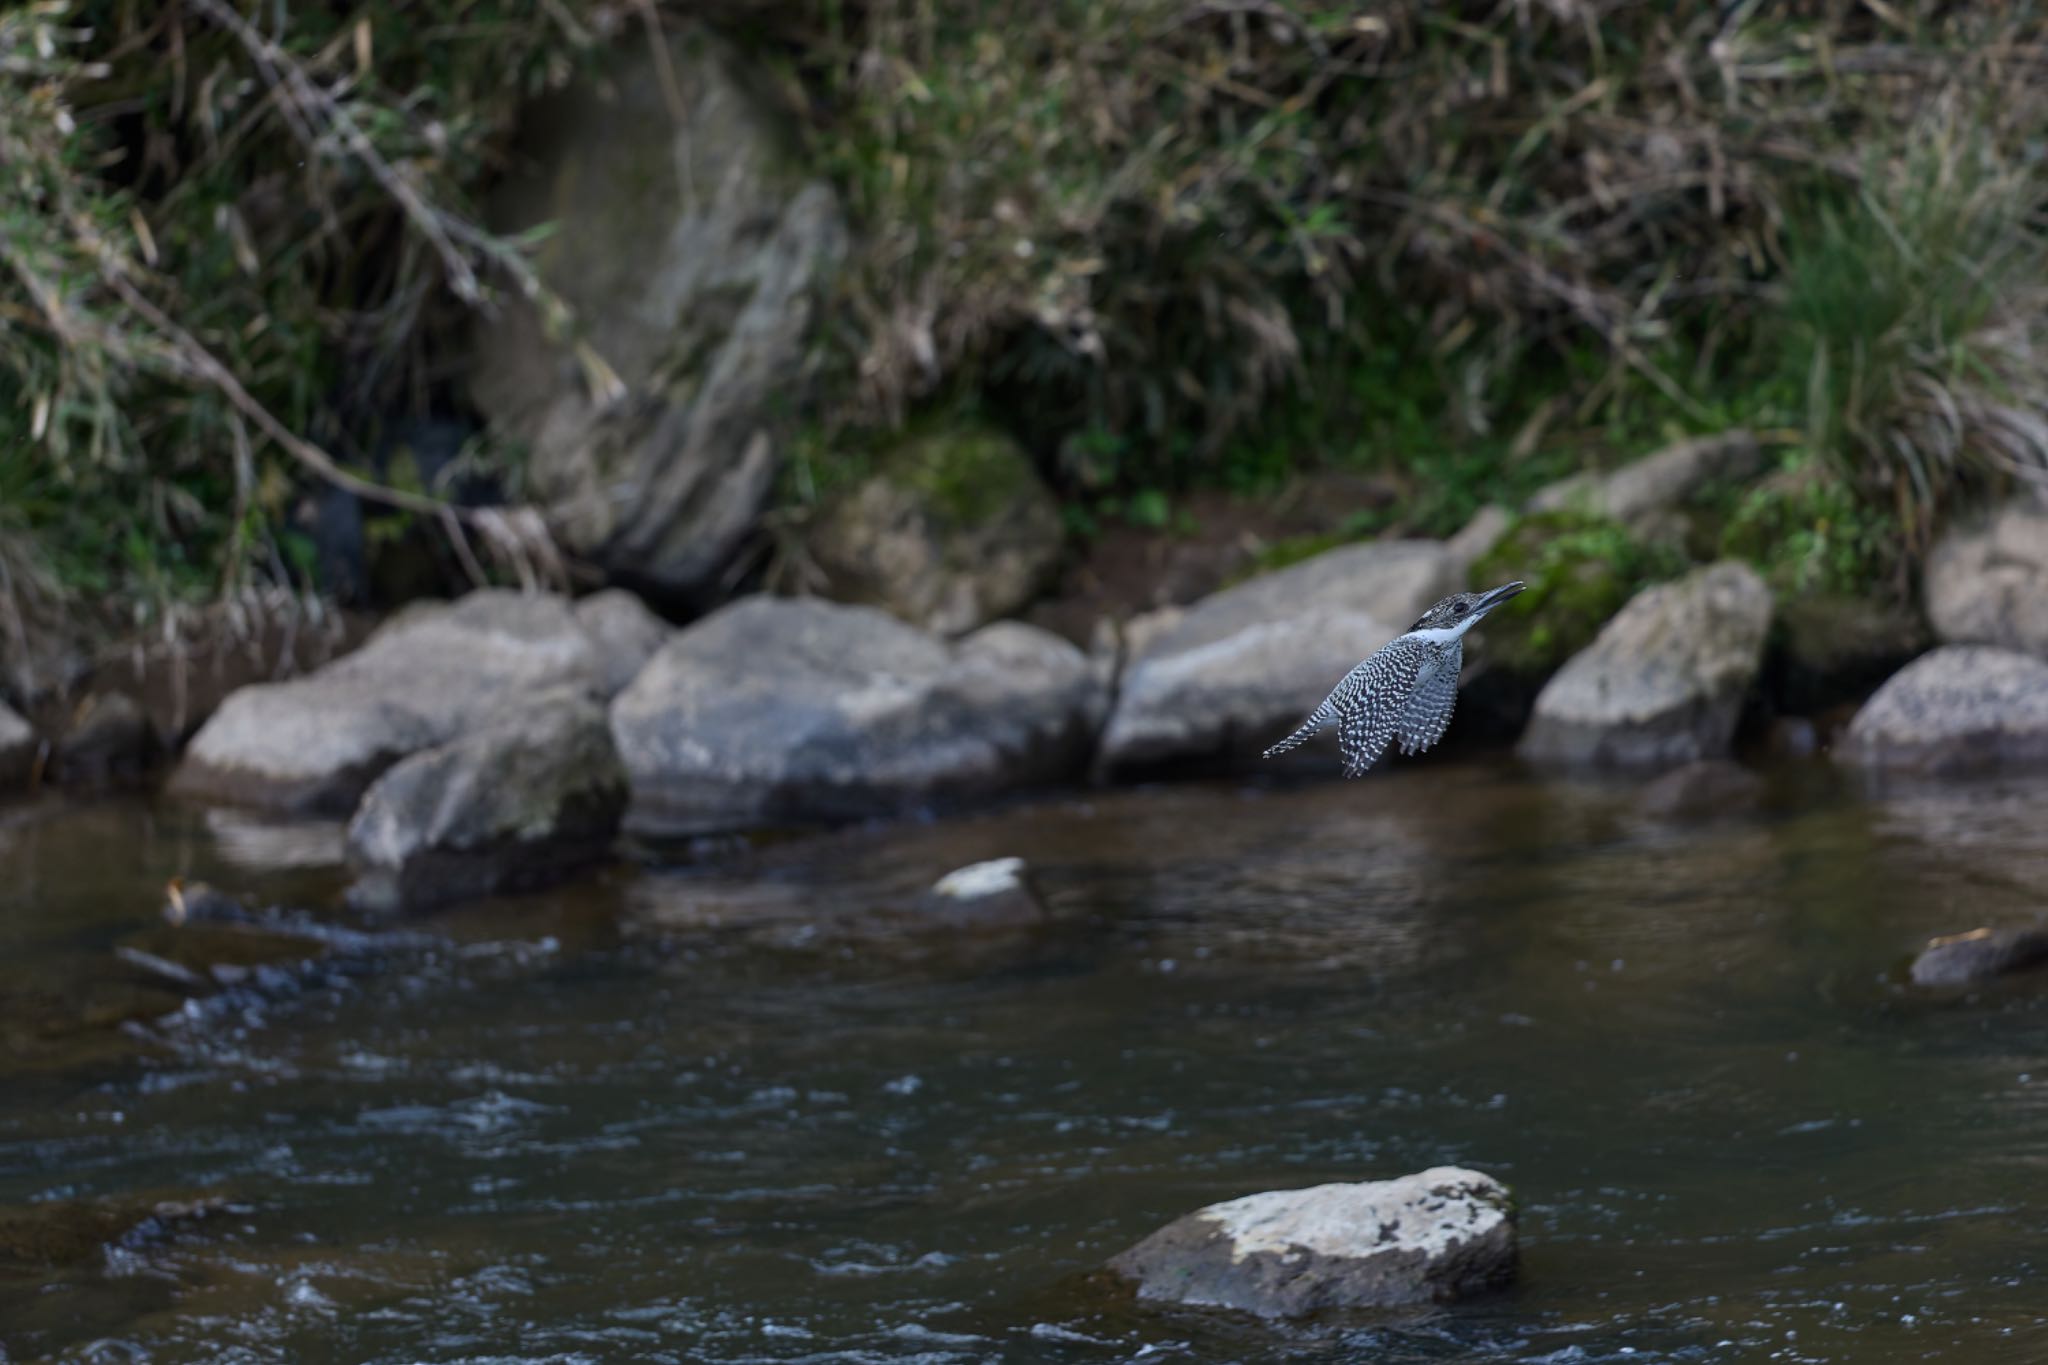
(733, 1106)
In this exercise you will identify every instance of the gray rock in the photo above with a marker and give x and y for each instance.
(1639, 494)
(1981, 954)
(427, 676)
(1987, 580)
(109, 736)
(955, 530)
(792, 710)
(18, 747)
(1663, 682)
(692, 250)
(1699, 791)
(1441, 1235)
(996, 894)
(1226, 677)
(512, 804)
(1956, 709)
(625, 633)
(1836, 649)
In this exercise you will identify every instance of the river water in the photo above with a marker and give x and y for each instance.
(731, 1103)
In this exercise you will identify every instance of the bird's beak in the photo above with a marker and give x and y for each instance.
(1489, 600)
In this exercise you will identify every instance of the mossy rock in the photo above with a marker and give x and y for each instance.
(953, 529)
(966, 476)
(1579, 570)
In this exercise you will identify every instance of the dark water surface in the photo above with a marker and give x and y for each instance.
(725, 1106)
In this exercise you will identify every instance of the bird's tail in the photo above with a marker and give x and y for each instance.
(1316, 721)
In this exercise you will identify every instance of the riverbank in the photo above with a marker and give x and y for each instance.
(775, 711)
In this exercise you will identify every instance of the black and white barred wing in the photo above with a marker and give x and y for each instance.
(1428, 713)
(1367, 708)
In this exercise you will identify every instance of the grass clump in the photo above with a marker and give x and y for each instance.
(1914, 318)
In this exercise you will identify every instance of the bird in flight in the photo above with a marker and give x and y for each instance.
(1406, 689)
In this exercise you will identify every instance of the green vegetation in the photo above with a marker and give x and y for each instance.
(1580, 570)
(1165, 244)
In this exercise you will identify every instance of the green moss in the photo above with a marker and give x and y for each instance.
(1580, 571)
(967, 475)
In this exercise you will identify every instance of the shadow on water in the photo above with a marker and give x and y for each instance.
(735, 1105)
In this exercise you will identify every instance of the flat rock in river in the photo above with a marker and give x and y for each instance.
(428, 675)
(1443, 1234)
(509, 805)
(774, 710)
(1965, 959)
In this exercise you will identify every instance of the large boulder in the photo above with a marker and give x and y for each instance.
(691, 249)
(1955, 709)
(1579, 571)
(955, 529)
(773, 710)
(1987, 580)
(425, 677)
(1441, 1235)
(18, 746)
(625, 633)
(1226, 677)
(1663, 683)
(511, 804)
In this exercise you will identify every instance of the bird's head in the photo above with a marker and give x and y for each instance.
(1461, 610)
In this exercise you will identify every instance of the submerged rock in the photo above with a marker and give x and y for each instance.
(990, 895)
(774, 710)
(1444, 1234)
(512, 804)
(954, 530)
(1698, 791)
(624, 633)
(1663, 683)
(1964, 959)
(19, 745)
(1225, 678)
(197, 903)
(1956, 709)
(692, 247)
(425, 677)
(40, 1237)
(1987, 579)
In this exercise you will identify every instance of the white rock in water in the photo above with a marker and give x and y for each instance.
(987, 895)
(976, 880)
(1442, 1234)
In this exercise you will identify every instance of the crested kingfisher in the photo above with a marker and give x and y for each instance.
(1406, 689)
